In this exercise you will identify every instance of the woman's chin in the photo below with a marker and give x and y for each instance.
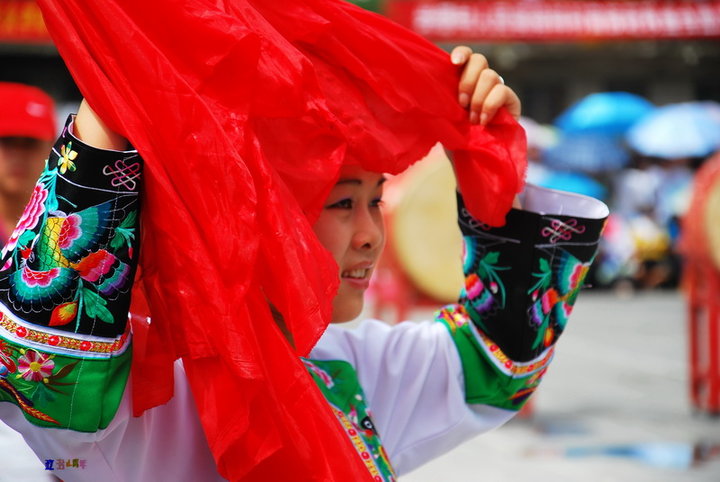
(345, 310)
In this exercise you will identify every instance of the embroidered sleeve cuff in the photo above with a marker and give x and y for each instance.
(65, 280)
(522, 279)
(490, 376)
(70, 262)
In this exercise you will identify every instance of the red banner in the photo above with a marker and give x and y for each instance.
(489, 20)
(22, 22)
(493, 20)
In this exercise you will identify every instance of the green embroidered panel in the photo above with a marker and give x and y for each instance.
(56, 390)
(339, 384)
(491, 378)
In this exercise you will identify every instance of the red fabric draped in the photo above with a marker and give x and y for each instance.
(244, 112)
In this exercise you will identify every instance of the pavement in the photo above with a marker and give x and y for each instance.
(618, 385)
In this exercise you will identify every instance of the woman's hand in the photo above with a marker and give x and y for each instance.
(481, 90)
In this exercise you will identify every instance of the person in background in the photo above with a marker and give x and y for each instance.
(27, 129)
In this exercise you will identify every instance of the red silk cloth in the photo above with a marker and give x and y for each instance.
(244, 112)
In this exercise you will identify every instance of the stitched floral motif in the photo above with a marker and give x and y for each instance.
(64, 291)
(68, 156)
(484, 291)
(36, 379)
(553, 295)
(29, 219)
(66, 264)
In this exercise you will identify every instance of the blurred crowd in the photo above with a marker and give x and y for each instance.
(639, 158)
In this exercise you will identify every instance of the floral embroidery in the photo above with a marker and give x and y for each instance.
(553, 295)
(62, 268)
(484, 289)
(41, 279)
(65, 163)
(36, 381)
(30, 217)
(70, 231)
(63, 292)
(35, 367)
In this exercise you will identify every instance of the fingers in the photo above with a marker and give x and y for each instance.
(500, 95)
(460, 55)
(481, 90)
(484, 103)
(475, 64)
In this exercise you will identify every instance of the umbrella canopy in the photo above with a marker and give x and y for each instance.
(611, 113)
(676, 131)
(587, 153)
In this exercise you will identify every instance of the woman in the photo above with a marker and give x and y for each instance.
(429, 386)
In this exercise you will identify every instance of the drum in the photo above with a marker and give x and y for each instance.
(701, 250)
(712, 221)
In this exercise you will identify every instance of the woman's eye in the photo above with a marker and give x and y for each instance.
(377, 202)
(342, 204)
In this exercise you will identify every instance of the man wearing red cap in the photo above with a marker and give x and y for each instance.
(27, 129)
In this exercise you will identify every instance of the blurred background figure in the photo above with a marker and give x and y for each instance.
(27, 129)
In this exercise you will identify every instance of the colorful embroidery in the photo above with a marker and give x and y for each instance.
(79, 345)
(64, 283)
(453, 316)
(29, 219)
(484, 291)
(554, 294)
(36, 378)
(67, 263)
(339, 384)
(561, 230)
(123, 175)
(66, 163)
(491, 377)
(319, 373)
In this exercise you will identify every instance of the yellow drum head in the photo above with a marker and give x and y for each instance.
(425, 235)
(712, 221)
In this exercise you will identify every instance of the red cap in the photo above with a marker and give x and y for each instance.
(26, 111)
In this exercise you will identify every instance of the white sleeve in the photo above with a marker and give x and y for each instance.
(413, 381)
(164, 443)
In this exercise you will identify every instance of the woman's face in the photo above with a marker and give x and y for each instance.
(351, 228)
(21, 161)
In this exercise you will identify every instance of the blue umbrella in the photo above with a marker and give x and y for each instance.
(676, 131)
(587, 153)
(609, 113)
